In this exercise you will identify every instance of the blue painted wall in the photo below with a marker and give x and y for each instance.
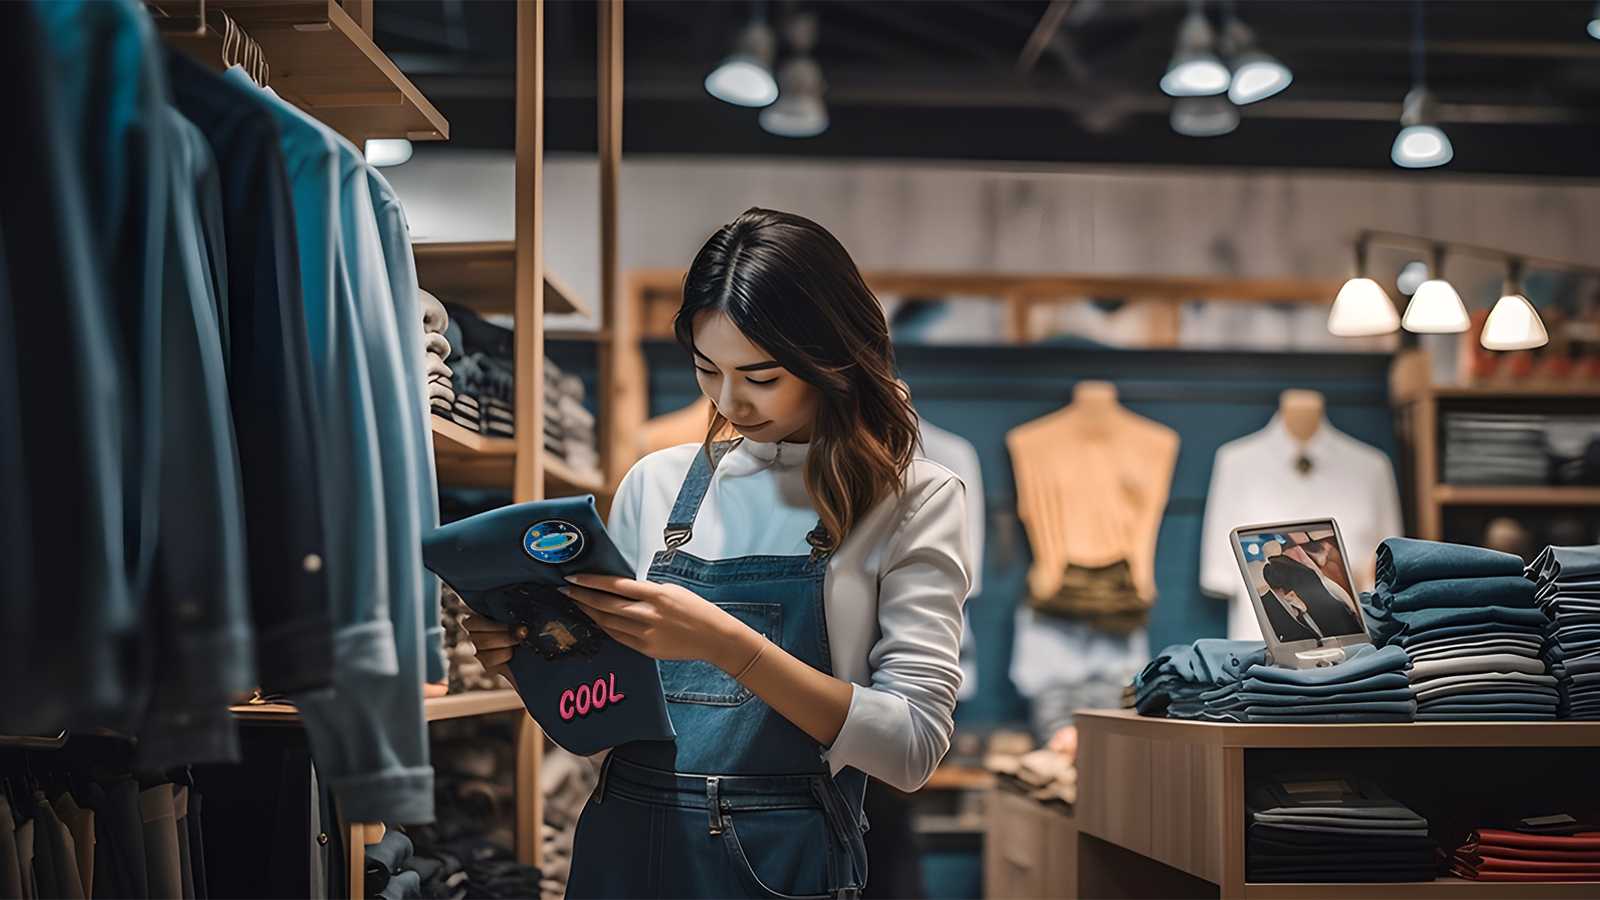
(1209, 398)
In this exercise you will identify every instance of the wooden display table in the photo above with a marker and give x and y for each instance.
(1161, 802)
(1030, 848)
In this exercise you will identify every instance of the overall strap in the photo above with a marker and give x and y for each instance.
(680, 524)
(686, 508)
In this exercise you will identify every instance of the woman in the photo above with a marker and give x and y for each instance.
(801, 586)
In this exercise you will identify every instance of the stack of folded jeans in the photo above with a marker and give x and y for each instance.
(1182, 672)
(1333, 829)
(1468, 619)
(1492, 854)
(387, 864)
(483, 372)
(1230, 681)
(1370, 685)
(1568, 590)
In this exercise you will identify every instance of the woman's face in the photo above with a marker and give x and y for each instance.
(764, 401)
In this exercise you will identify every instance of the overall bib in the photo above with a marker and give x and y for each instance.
(742, 803)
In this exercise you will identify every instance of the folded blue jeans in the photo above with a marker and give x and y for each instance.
(1365, 661)
(1502, 590)
(1390, 625)
(1288, 701)
(1471, 630)
(1383, 681)
(1566, 563)
(1403, 562)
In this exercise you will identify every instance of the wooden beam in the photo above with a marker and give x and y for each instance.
(528, 475)
(1042, 35)
(623, 401)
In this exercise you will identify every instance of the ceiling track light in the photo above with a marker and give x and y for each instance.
(800, 111)
(1195, 70)
(744, 77)
(1513, 324)
(1362, 308)
(1257, 74)
(1436, 307)
(1421, 143)
(1594, 22)
(1204, 116)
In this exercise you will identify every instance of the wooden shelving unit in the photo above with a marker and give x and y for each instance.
(480, 274)
(435, 709)
(1173, 792)
(469, 459)
(1419, 408)
(324, 62)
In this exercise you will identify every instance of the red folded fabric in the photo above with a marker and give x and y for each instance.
(1473, 847)
(1576, 875)
(1498, 863)
(1588, 840)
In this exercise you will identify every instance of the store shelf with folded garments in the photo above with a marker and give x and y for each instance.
(435, 709)
(469, 459)
(322, 60)
(481, 275)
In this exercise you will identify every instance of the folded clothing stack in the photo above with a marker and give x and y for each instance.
(1333, 829)
(1567, 588)
(483, 373)
(569, 427)
(436, 350)
(1492, 854)
(1370, 685)
(386, 868)
(1182, 672)
(1468, 619)
(1230, 681)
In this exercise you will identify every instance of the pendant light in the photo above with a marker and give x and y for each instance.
(1204, 116)
(1411, 277)
(1421, 143)
(1257, 75)
(1594, 22)
(745, 77)
(1362, 309)
(800, 111)
(1513, 324)
(1436, 308)
(1195, 70)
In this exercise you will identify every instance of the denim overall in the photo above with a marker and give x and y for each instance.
(742, 803)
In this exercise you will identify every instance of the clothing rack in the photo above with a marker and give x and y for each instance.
(237, 46)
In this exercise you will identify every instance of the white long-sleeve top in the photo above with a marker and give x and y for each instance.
(893, 591)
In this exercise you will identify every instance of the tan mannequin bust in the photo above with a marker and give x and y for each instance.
(1092, 482)
(1302, 412)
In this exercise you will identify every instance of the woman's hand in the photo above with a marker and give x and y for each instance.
(494, 643)
(664, 621)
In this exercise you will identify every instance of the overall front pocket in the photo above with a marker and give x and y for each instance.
(697, 681)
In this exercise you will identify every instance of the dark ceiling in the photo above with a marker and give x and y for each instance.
(1518, 82)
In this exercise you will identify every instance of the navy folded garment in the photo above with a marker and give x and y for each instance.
(1469, 631)
(1403, 562)
(1489, 709)
(1491, 694)
(1383, 681)
(1484, 717)
(1274, 702)
(1390, 626)
(1181, 672)
(1512, 591)
(1364, 661)
(586, 690)
(1567, 563)
(1395, 712)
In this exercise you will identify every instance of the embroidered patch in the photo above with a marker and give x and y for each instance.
(553, 541)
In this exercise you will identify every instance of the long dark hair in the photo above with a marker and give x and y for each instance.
(1284, 574)
(793, 290)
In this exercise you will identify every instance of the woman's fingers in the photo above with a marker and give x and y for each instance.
(495, 640)
(636, 610)
(496, 658)
(615, 624)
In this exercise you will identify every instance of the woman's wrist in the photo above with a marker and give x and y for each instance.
(738, 648)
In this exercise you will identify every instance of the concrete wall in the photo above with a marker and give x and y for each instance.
(947, 217)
